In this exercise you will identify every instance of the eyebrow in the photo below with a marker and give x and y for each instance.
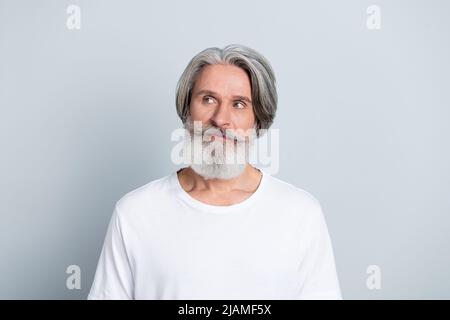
(214, 93)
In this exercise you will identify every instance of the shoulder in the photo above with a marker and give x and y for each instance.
(145, 198)
(291, 193)
(294, 201)
(302, 206)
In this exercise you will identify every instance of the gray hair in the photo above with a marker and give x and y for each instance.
(262, 79)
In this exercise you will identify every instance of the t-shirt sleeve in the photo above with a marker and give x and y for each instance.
(318, 265)
(113, 278)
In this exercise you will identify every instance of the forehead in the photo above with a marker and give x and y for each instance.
(224, 79)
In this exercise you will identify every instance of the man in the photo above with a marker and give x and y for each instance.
(219, 228)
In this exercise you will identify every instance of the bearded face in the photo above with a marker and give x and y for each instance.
(214, 153)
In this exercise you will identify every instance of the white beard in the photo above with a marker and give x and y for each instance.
(218, 159)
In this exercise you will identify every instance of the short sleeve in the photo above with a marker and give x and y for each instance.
(113, 278)
(318, 264)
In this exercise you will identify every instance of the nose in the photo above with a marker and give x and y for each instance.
(221, 117)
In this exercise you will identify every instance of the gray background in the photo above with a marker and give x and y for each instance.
(86, 116)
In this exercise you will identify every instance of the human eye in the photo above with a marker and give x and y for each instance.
(240, 105)
(208, 99)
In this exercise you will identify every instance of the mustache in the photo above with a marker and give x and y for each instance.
(211, 130)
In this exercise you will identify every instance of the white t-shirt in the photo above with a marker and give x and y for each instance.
(162, 243)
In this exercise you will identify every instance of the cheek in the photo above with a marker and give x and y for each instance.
(246, 120)
(196, 112)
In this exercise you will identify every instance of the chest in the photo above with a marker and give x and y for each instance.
(244, 259)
